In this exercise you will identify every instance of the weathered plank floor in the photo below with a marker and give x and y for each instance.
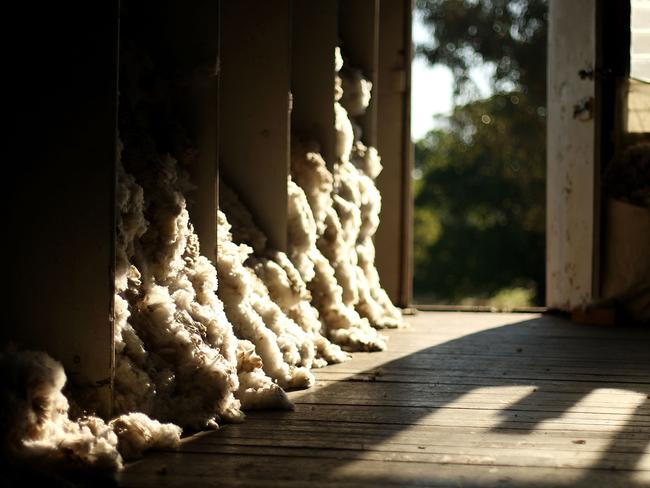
(460, 399)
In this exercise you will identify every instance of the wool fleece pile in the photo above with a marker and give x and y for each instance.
(192, 352)
(332, 218)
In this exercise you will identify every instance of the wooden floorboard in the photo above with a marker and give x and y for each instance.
(459, 399)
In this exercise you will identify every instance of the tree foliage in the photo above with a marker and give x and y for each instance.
(511, 34)
(479, 200)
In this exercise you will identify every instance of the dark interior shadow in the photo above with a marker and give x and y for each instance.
(561, 361)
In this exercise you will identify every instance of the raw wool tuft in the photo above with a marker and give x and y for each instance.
(185, 360)
(247, 304)
(256, 390)
(338, 59)
(357, 203)
(356, 91)
(344, 133)
(356, 183)
(297, 347)
(172, 306)
(190, 349)
(36, 427)
(379, 309)
(309, 171)
(133, 388)
(138, 433)
(288, 289)
(342, 324)
(354, 188)
(345, 206)
(288, 312)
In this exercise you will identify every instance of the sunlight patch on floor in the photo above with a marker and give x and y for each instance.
(499, 439)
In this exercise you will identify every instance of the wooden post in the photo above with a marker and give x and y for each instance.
(254, 109)
(393, 239)
(314, 38)
(193, 32)
(571, 201)
(182, 39)
(60, 195)
(359, 35)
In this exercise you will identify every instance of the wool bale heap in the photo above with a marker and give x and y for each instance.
(192, 351)
(345, 203)
(326, 283)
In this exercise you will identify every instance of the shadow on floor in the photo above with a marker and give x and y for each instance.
(557, 365)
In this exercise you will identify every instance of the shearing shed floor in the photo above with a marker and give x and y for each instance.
(459, 399)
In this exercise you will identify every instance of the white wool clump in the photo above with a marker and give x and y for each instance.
(245, 299)
(35, 422)
(288, 312)
(358, 203)
(344, 133)
(37, 426)
(188, 345)
(340, 252)
(309, 171)
(138, 433)
(375, 305)
(340, 200)
(297, 347)
(342, 324)
(338, 83)
(386, 314)
(133, 387)
(354, 187)
(356, 90)
(179, 362)
(367, 160)
(290, 292)
(346, 206)
(282, 279)
(301, 231)
(256, 390)
(338, 59)
(338, 88)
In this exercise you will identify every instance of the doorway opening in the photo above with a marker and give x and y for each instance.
(479, 135)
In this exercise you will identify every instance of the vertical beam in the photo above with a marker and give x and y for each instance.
(193, 33)
(254, 111)
(314, 38)
(182, 39)
(359, 35)
(61, 195)
(393, 239)
(571, 164)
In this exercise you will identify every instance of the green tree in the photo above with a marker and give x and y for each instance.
(511, 34)
(479, 201)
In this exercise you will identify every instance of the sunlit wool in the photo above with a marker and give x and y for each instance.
(244, 298)
(37, 427)
(358, 202)
(137, 433)
(345, 207)
(288, 311)
(256, 389)
(185, 343)
(35, 422)
(342, 324)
